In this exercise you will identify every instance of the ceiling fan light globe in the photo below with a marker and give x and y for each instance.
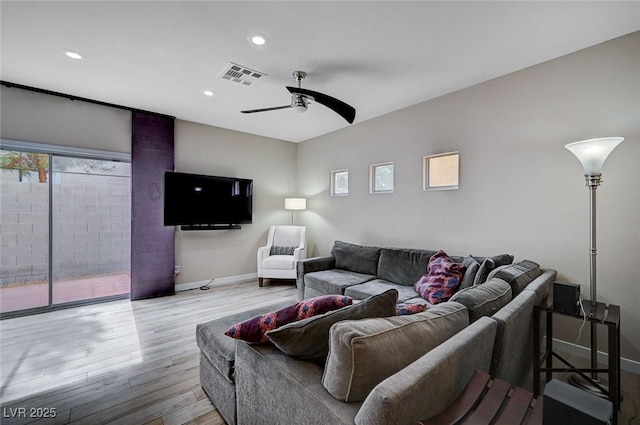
(298, 103)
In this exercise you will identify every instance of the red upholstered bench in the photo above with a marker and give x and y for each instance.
(491, 401)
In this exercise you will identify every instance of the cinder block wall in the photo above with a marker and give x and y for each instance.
(91, 231)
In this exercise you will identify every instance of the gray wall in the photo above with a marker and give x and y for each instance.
(215, 151)
(35, 117)
(520, 190)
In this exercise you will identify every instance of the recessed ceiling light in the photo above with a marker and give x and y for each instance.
(259, 39)
(74, 54)
(207, 93)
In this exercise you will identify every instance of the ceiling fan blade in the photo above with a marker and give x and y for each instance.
(346, 111)
(274, 108)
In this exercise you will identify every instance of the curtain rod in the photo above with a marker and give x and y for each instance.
(9, 84)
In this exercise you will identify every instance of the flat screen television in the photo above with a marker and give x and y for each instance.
(196, 201)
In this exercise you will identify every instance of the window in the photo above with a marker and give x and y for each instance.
(381, 178)
(440, 172)
(340, 183)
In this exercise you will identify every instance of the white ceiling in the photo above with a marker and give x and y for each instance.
(378, 56)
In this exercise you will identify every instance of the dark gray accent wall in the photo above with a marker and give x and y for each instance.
(152, 244)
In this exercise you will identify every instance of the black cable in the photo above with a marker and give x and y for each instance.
(205, 287)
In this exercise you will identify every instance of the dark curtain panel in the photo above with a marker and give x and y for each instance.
(152, 244)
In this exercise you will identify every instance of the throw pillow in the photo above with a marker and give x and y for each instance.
(485, 299)
(477, 270)
(282, 250)
(356, 362)
(308, 339)
(442, 279)
(408, 309)
(253, 330)
(483, 271)
(517, 275)
(471, 269)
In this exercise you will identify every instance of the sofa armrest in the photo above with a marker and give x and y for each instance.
(264, 252)
(309, 265)
(430, 384)
(543, 287)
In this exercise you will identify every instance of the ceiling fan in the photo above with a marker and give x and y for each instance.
(300, 99)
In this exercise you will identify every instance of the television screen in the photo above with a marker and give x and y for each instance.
(194, 200)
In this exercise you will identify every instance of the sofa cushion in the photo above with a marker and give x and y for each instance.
(499, 260)
(334, 281)
(274, 389)
(441, 280)
(356, 362)
(253, 330)
(220, 349)
(517, 275)
(308, 339)
(418, 300)
(377, 286)
(485, 299)
(403, 266)
(356, 258)
(279, 262)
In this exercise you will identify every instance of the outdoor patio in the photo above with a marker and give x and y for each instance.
(64, 291)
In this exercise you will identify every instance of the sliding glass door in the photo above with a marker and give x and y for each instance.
(24, 230)
(65, 230)
(91, 228)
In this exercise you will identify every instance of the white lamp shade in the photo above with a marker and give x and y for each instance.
(295, 203)
(593, 152)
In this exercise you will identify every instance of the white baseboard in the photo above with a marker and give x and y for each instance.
(585, 353)
(218, 281)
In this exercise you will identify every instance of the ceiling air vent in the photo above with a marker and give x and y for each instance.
(240, 74)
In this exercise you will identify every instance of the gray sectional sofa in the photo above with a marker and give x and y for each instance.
(361, 271)
(421, 362)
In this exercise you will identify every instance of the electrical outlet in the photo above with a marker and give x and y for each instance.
(177, 270)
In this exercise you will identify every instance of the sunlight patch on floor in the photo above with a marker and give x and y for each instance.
(58, 349)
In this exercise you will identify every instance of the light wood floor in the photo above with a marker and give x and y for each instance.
(136, 362)
(120, 362)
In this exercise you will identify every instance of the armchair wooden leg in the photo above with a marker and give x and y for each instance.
(260, 281)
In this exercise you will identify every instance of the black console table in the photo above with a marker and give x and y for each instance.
(604, 314)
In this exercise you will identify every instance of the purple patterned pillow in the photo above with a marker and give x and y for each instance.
(407, 309)
(442, 279)
(253, 330)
